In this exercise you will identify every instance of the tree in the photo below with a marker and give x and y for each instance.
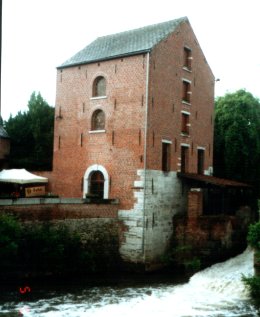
(31, 134)
(237, 137)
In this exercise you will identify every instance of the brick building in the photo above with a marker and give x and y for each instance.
(132, 110)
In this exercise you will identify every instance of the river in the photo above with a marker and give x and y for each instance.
(216, 291)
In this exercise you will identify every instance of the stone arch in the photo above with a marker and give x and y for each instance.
(87, 177)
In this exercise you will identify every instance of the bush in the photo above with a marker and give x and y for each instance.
(10, 234)
(253, 285)
(253, 282)
(46, 248)
(253, 236)
(40, 249)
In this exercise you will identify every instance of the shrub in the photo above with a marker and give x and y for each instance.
(253, 282)
(253, 236)
(47, 248)
(40, 249)
(253, 285)
(10, 233)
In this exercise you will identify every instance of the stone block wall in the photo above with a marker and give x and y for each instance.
(149, 228)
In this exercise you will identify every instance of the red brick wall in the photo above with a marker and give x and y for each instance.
(49, 175)
(165, 101)
(195, 204)
(118, 149)
(121, 148)
(61, 211)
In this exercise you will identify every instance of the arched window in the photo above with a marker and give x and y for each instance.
(94, 176)
(99, 87)
(96, 184)
(98, 120)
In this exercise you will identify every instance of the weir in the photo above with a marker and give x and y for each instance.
(217, 291)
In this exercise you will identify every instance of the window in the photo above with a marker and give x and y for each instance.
(200, 163)
(185, 118)
(94, 177)
(186, 91)
(187, 58)
(97, 184)
(184, 159)
(99, 87)
(98, 120)
(166, 157)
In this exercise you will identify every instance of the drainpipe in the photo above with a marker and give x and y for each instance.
(145, 149)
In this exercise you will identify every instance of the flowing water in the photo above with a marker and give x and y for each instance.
(216, 291)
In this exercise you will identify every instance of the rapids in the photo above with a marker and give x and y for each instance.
(214, 292)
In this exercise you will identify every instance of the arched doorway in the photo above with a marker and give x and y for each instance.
(96, 184)
(96, 181)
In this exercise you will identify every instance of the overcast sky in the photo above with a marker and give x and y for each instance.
(39, 35)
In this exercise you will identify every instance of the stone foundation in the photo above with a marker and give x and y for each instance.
(159, 196)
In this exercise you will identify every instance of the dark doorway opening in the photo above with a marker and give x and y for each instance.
(97, 184)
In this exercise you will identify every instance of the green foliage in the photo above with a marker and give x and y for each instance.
(253, 282)
(193, 265)
(51, 249)
(253, 285)
(253, 236)
(183, 256)
(31, 135)
(10, 233)
(237, 137)
(46, 248)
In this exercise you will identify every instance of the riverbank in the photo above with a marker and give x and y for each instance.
(216, 291)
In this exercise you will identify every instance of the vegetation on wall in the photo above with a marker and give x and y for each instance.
(237, 137)
(48, 249)
(253, 282)
(31, 134)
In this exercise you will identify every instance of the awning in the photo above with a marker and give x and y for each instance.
(20, 176)
(207, 179)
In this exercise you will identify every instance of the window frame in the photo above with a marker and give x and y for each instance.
(95, 88)
(200, 160)
(94, 125)
(96, 185)
(166, 156)
(184, 158)
(185, 123)
(187, 58)
(186, 91)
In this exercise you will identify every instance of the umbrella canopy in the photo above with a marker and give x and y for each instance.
(20, 176)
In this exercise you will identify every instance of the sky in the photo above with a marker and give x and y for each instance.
(39, 35)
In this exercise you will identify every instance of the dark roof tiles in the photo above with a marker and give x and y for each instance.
(207, 179)
(125, 43)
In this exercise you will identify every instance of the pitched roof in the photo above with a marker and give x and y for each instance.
(3, 133)
(207, 179)
(125, 43)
